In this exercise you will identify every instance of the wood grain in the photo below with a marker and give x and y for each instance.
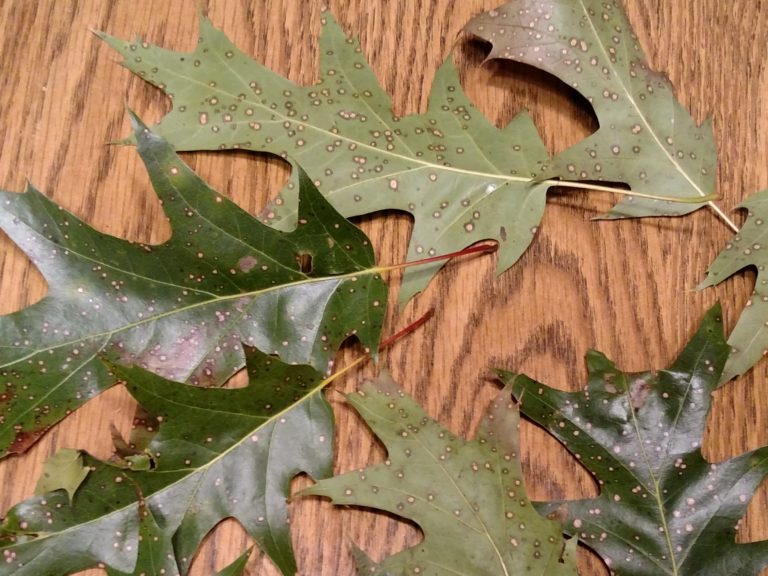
(626, 288)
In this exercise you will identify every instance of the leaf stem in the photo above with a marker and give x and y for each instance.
(709, 199)
(479, 249)
(386, 343)
(622, 192)
(723, 216)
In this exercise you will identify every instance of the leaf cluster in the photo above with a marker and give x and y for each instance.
(277, 296)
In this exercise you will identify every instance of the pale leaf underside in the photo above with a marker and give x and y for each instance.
(749, 339)
(468, 497)
(647, 139)
(462, 179)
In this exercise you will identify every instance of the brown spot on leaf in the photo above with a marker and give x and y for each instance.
(638, 392)
(305, 262)
(609, 385)
(25, 439)
(559, 514)
(246, 263)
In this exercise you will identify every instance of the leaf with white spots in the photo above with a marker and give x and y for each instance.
(179, 309)
(462, 179)
(662, 509)
(468, 497)
(749, 339)
(646, 139)
(219, 453)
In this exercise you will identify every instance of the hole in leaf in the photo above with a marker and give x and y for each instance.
(305, 263)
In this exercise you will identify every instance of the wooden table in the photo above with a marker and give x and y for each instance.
(625, 288)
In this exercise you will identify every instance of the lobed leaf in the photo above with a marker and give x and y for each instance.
(662, 509)
(62, 471)
(646, 138)
(219, 453)
(462, 179)
(468, 497)
(749, 339)
(179, 309)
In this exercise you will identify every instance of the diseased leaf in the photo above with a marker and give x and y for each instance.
(462, 179)
(749, 339)
(646, 139)
(62, 471)
(219, 453)
(468, 497)
(179, 309)
(663, 509)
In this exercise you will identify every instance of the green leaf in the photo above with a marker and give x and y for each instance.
(646, 138)
(749, 339)
(179, 309)
(219, 453)
(468, 497)
(663, 509)
(62, 471)
(237, 568)
(462, 179)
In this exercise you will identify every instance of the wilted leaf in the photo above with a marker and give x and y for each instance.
(62, 471)
(461, 178)
(662, 508)
(468, 497)
(646, 138)
(219, 453)
(749, 339)
(179, 309)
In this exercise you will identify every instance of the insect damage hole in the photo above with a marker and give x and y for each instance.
(305, 262)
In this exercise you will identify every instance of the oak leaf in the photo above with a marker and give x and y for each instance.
(646, 139)
(749, 339)
(462, 179)
(219, 453)
(663, 509)
(468, 497)
(179, 309)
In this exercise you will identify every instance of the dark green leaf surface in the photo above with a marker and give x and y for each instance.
(461, 178)
(219, 453)
(179, 309)
(646, 138)
(467, 497)
(749, 339)
(237, 568)
(662, 509)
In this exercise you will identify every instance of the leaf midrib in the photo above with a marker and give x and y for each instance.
(362, 407)
(202, 469)
(329, 134)
(635, 105)
(218, 299)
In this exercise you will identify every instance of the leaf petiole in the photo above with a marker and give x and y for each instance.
(479, 249)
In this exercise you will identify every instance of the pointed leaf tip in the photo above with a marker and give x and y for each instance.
(149, 303)
(662, 507)
(404, 168)
(468, 497)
